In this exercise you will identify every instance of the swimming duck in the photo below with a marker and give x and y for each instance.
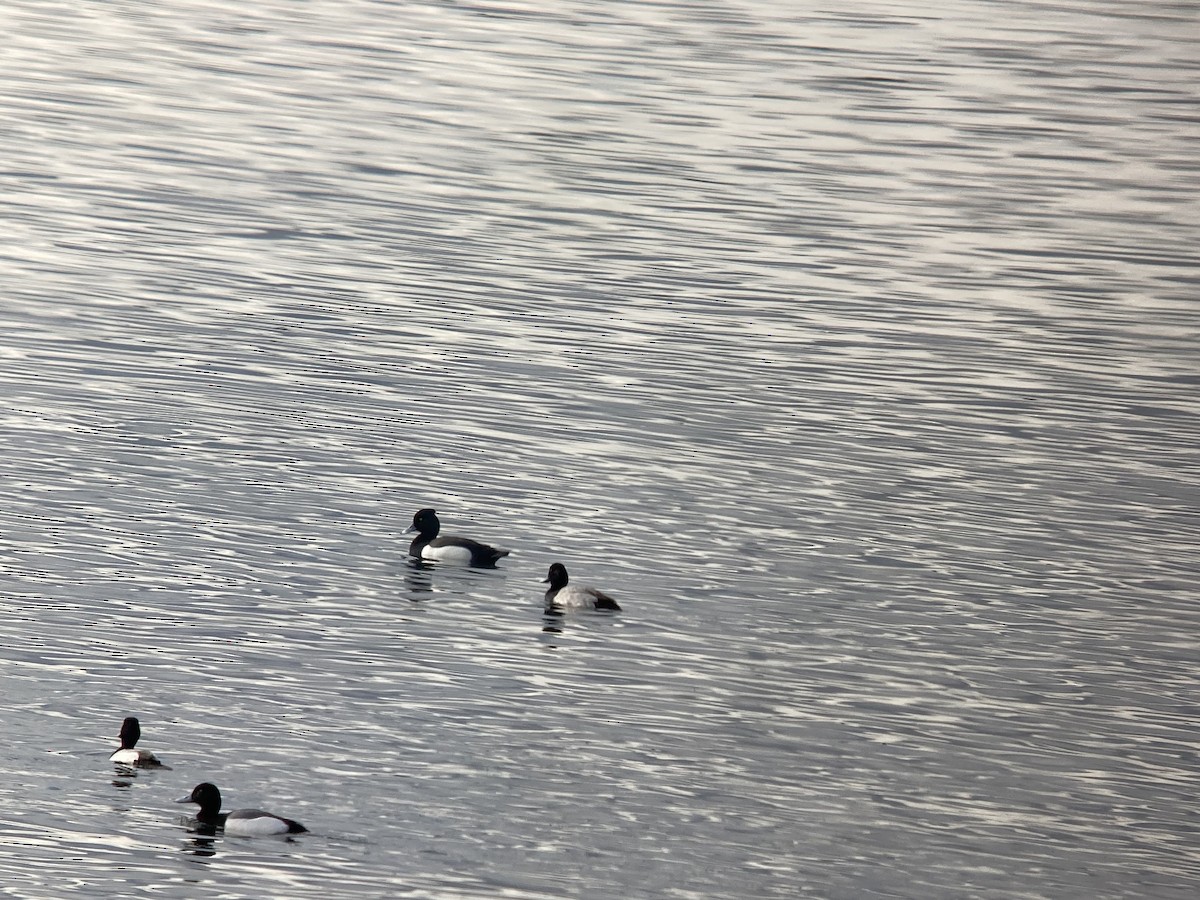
(128, 754)
(448, 548)
(239, 821)
(562, 595)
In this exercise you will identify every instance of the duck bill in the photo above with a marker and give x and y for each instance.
(187, 799)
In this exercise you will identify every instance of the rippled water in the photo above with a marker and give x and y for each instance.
(853, 350)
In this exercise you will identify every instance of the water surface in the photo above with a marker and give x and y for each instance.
(852, 350)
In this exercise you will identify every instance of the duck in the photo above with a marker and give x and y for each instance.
(448, 548)
(128, 753)
(562, 595)
(239, 821)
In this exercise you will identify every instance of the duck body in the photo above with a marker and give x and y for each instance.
(250, 822)
(564, 595)
(128, 753)
(448, 548)
(131, 756)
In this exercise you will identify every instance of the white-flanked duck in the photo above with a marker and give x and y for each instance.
(429, 544)
(128, 753)
(239, 821)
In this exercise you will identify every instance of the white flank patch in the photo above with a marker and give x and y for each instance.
(572, 597)
(128, 757)
(264, 824)
(450, 554)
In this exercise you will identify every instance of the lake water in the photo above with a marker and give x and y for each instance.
(853, 348)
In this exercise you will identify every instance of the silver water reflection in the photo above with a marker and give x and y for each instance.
(854, 351)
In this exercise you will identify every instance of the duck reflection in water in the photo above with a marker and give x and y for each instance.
(418, 579)
(205, 844)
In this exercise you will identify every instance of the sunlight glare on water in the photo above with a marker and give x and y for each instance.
(852, 350)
